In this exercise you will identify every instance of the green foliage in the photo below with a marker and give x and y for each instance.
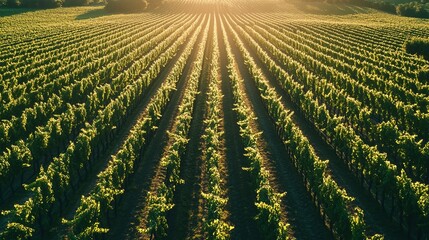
(363, 160)
(423, 75)
(86, 224)
(419, 46)
(218, 229)
(17, 231)
(42, 3)
(69, 3)
(12, 3)
(20, 223)
(215, 225)
(412, 9)
(332, 198)
(358, 225)
(112, 180)
(161, 201)
(156, 221)
(268, 202)
(408, 9)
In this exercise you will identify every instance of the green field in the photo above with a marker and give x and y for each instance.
(206, 119)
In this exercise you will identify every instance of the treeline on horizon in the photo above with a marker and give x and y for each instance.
(47, 3)
(410, 9)
(111, 5)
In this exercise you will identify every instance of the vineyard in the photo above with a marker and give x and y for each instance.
(206, 119)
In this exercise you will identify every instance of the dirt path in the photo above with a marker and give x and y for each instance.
(302, 214)
(376, 219)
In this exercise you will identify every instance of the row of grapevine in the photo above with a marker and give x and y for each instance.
(359, 59)
(215, 224)
(20, 65)
(367, 75)
(402, 147)
(364, 161)
(407, 147)
(41, 86)
(72, 93)
(68, 89)
(268, 201)
(333, 201)
(94, 209)
(40, 83)
(53, 186)
(363, 48)
(379, 43)
(409, 151)
(385, 107)
(47, 40)
(161, 201)
(58, 131)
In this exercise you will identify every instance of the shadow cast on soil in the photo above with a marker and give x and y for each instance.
(5, 12)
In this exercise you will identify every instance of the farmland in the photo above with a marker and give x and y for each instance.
(213, 120)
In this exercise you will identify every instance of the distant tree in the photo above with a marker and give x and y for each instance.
(13, 3)
(42, 3)
(412, 9)
(30, 3)
(51, 3)
(69, 3)
(419, 46)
